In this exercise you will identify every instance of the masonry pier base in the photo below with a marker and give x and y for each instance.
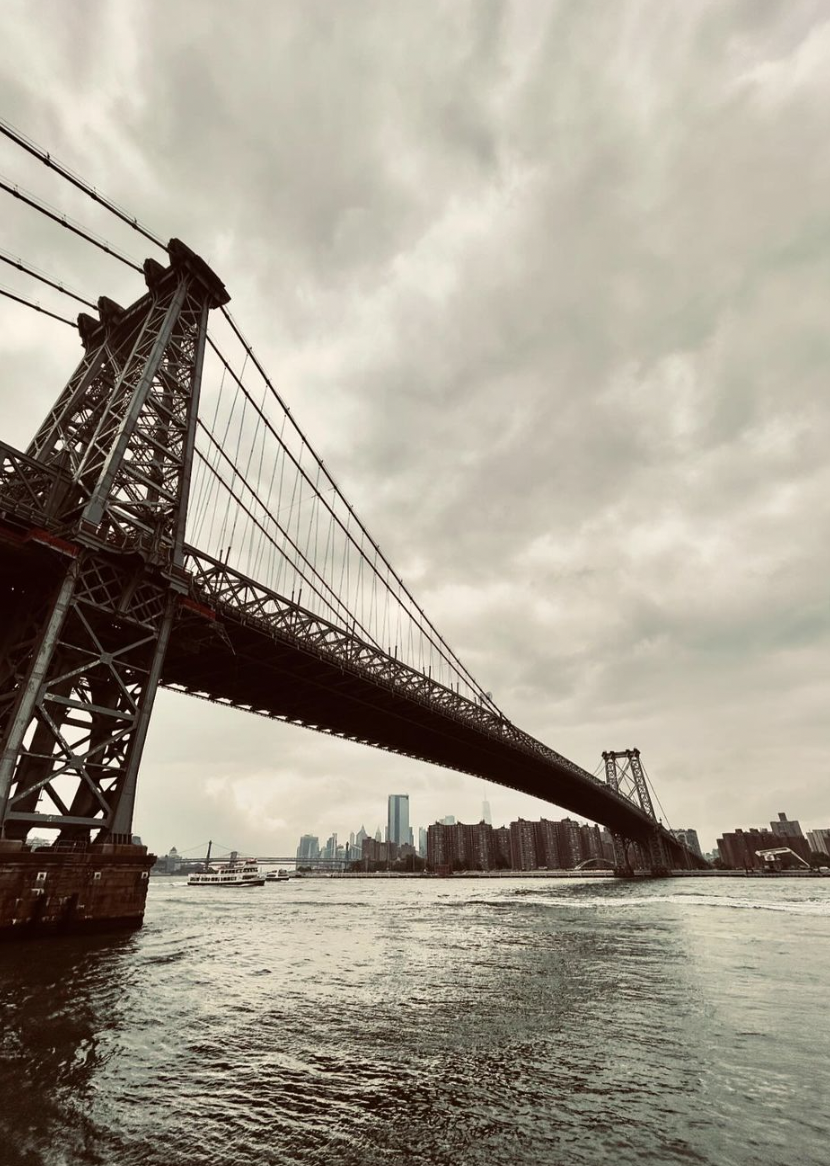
(82, 888)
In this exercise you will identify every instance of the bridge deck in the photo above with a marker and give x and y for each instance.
(269, 657)
(239, 644)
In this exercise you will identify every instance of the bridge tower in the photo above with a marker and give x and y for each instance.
(624, 774)
(91, 574)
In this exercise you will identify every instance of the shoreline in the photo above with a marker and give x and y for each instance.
(558, 874)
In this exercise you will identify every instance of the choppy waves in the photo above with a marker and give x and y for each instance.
(451, 1022)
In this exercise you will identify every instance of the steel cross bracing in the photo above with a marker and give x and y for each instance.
(624, 773)
(106, 479)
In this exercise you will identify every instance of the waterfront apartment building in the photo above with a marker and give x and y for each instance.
(461, 847)
(523, 845)
(786, 827)
(819, 840)
(738, 848)
(501, 847)
(397, 828)
(548, 851)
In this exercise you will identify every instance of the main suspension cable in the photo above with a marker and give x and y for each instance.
(418, 616)
(422, 621)
(64, 221)
(14, 261)
(36, 307)
(455, 660)
(48, 160)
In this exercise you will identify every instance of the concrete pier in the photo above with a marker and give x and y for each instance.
(79, 889)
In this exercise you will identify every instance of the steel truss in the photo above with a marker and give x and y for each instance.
(108, 476)
(624, 774)
(220, 589)
(97, 582)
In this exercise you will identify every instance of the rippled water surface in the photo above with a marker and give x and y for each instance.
(444, 1021)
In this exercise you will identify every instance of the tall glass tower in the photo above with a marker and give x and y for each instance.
(397, 828)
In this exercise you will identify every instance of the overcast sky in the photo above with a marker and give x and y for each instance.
(547, 285)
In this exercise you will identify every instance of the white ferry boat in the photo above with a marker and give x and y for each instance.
(238, 872)
(277, 876)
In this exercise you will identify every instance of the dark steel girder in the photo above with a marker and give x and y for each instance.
(280, 661)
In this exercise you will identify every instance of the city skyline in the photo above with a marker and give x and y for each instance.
(543, 810)
(816, 838)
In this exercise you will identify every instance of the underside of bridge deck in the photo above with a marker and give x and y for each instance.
(283, 681)
(231, 662)
(225, 656)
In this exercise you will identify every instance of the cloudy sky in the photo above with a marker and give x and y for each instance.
(547, 284)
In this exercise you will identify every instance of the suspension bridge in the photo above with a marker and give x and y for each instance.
(170, 525)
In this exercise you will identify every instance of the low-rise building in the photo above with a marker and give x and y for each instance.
(379, 852)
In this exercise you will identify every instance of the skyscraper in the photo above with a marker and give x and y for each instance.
(486, 816)
(397, 829)
(309, 848)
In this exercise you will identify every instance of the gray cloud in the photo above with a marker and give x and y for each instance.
(547, 286)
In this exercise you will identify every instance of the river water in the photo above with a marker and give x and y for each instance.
(452, 1021)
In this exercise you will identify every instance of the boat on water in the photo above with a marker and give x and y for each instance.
(237, 872)
(277, 876)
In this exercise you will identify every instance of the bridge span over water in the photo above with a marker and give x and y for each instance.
(155, 534)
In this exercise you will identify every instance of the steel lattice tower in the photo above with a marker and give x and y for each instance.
(107, 479)
(624, 774)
